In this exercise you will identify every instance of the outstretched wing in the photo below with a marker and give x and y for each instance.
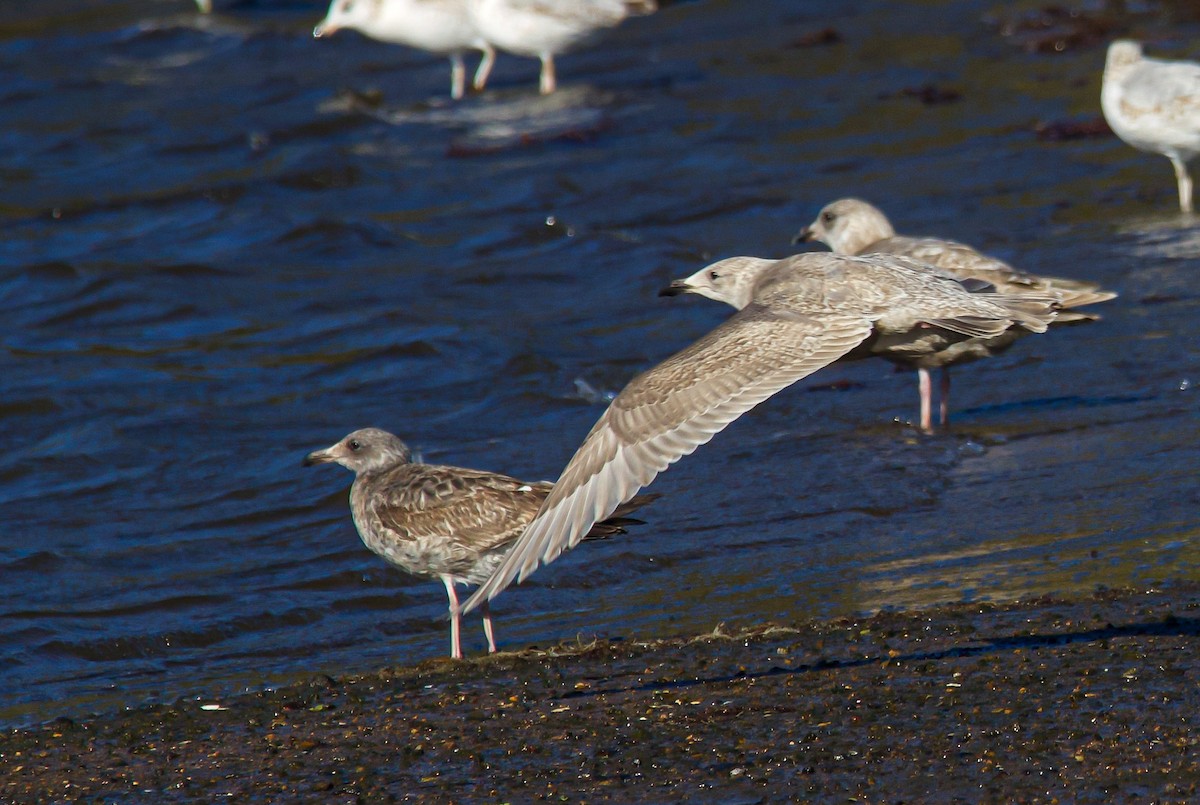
(669, 411)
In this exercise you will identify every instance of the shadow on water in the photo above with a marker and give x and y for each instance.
(226, 244)
(499, 121)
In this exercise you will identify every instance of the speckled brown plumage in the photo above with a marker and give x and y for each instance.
(794, 316)
(450, 523)
(854, 227)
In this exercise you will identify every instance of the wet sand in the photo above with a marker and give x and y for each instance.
(1049, 700)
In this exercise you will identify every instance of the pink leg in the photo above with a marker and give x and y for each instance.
(1185, 184)
(455, 643)
(548, 81)
(458, 76)
(487, 626)
(924, 386)
(485, 67)
(945, 405)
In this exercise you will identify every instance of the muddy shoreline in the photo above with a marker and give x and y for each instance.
(1084, 700)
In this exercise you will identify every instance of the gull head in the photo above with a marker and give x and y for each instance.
(847, 226)
(730, 281)
(364, 451)
(356, 14)
(1122, 54)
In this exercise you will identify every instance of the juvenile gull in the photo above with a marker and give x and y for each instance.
(1154, 105)
(794, 316)
(544, 28)
(852, 226)
(439, 26)
(449, 523)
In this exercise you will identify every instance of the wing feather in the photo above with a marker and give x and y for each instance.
(479, 509)
(668, 412)
(967, 264)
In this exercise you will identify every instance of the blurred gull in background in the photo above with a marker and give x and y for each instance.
(1154, 105)
(544, 28)
(439, 26)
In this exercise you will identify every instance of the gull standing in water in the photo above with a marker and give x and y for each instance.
(852, 226)
(449, 523)
(544, 28)
(794, 316)
(1154, 105)
(439, 26)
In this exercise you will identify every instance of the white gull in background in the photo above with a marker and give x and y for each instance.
(1154, 105)
(439, 26)
(449, 523)
(852, 226)
(544, 28)
(794, 316)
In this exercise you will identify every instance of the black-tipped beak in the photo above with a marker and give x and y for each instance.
(317, 457)
(803, 236)
(675, 288)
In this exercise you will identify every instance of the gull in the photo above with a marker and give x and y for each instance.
(795, 316)
(439, 26)
(1154, 105)
(544, 28)
(449, 523)
(852, 226)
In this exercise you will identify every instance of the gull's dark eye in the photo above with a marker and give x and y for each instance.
(712, 275)
(355, 445)
(827, 217)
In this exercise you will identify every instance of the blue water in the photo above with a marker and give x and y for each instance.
(225, 244)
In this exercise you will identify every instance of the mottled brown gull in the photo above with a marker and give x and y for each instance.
(794, 316)
(439, 26)
(441, 522)
(544, 28)
(1154, 105)
(852, 226)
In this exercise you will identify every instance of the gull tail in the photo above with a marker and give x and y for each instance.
(617, 522)
(1080, 294)
(1033, 312)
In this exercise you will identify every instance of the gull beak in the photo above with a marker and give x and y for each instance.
(676, 288)
(804, 235)
(319, 457)
(324, 29)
